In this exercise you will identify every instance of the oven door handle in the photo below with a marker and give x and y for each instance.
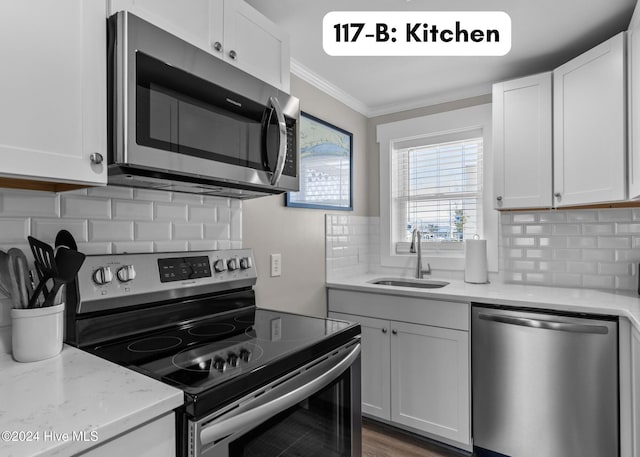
(253, 417)
(282, 145)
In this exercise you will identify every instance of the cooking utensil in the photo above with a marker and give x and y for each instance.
(8, 278)
(68, 263)
(45, 267)
(18, 261)
(72, 289)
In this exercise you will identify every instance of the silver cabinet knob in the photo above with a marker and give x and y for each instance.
(233, 54)
(499, 198)
(384, 330)
(557, 195)
(220, 265)
(102, 276)
(394, 331)
(96, 158)
(126, 273)
(217, 46)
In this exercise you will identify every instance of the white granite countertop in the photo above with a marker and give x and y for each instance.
(74, 392)
(617, 303)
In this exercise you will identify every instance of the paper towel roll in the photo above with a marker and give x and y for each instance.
(475, 261)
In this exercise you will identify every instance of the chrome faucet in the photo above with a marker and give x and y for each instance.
(416, 240)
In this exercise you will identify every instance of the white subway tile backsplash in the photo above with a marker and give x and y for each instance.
(27, 203)
(47, 229)
(202, 213)
(170, 212)
(110, 230)
(187, 231)
(192, 199)
(203, 245)
(217, 232)
(75, 206)
(132, 210)
(14, 230)
(151, 195)
(585, 248)
(95, 248)
(152, 231)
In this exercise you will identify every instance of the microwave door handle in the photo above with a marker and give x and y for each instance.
(282, 148)
(253, 417)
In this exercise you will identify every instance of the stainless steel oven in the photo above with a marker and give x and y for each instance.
(256, 382)
(313, 411)
(182, 119)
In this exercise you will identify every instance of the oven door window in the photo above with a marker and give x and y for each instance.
(182, 113)
(319, 426)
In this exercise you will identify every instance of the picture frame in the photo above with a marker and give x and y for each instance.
(326, 166)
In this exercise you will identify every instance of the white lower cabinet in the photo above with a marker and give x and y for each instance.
(635, 391)
(413, 375)
(153, 439)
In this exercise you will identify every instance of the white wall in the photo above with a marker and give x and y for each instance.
(298, 233)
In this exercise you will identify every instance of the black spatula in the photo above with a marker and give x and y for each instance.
(68, 262)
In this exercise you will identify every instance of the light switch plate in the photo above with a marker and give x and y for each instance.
(276, 265)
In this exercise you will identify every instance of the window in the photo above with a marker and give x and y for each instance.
(436, 175)
(437, 188)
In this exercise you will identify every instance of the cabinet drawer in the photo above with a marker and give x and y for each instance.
(426, 311)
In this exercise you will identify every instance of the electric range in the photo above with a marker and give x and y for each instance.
(190, 320)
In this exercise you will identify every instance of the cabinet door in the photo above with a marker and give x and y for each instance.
(589, 126)
(430, 380)
(633, 67)
(375, 364)
(522, 142)
(255, 44)
(53, 80)
(187, 19)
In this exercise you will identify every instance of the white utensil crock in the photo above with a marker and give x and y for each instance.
(36, 333)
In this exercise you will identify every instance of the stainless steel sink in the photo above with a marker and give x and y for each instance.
(408, 282)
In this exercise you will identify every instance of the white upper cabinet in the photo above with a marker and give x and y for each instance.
(522, 142)
(53, 83)
(590, 126)
(633, 66)
(229, 29)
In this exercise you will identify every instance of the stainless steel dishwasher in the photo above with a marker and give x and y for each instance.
(544, 384)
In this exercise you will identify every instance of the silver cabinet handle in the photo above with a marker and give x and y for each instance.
(499, 198)
(255, 416)
(282, 150)
(217, 46)
(384, 330)
(546, 325)
(233, 54)
(96, 158)
(394, 331)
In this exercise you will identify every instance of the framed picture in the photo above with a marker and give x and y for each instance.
(326, 171)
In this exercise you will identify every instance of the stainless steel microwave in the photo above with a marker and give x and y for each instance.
(181, 119)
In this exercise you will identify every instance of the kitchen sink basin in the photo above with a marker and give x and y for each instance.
(408, 282)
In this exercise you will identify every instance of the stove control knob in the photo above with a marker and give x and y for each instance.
(220, 265)
(126, 273)
(245, 355)
(232, 360)
(232, 264)
(102, 276)
(219, 364)
(246, 263)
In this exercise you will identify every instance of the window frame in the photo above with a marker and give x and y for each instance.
(435, 125)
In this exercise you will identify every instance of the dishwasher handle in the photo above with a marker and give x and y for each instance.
(546, 325)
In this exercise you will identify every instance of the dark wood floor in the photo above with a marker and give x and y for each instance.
(379, 440)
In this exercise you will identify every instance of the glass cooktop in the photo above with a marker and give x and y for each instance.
(203, 355)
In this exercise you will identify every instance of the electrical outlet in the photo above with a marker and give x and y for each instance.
(276, 265)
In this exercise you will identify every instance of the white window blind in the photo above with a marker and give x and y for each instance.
(437, 187)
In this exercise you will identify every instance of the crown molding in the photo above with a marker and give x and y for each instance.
(325, 86)
(332, 90)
